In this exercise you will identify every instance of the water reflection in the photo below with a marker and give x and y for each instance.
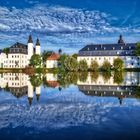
(120, 85)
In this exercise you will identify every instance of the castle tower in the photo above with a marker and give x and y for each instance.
(121, 41)
(37, 48)
(30, 92)
(38, 91)
(30, 47)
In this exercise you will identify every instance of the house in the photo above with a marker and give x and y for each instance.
(109, 52)
(52, 61)
(19, 54)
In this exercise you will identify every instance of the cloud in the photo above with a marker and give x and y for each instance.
(58, 27)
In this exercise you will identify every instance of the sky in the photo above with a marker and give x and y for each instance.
(68, 24)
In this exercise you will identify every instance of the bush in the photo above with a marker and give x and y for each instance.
(106, 66)
(71, 64)
(94, 66)
(83, 66)
(118, 64)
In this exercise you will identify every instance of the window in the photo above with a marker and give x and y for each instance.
(121, 48)
(132, 64)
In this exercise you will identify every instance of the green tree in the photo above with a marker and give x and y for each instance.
(36, 60)
(118, 64)
(45, 55)
(83, 66)
(106, 66)
(61, 62)
(71, 64)
(137, 50)
(94, 65)
(6, 50)
(75, 55)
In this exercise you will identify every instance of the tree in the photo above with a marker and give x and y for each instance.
(94, 65)
(137, 50)
(6, 50)
(36, 60)
(118, 64)
(106, 66)
(61, 62)
(71, 64)
(75, 55)
(46, 54)
(83, 66)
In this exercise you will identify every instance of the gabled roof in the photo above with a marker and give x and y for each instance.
(53, 56)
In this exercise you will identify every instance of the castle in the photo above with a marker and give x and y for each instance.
(19, 54)
(109, 52)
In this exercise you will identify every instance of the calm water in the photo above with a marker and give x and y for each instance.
(70, 106)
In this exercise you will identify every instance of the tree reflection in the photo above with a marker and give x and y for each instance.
(68, 78)
(82, 76)
(94, 76)
(118, 77)
(36, 80)
(106, 76)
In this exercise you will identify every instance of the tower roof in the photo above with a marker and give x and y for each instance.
(30, 39)
(37, 42)
(121, 41)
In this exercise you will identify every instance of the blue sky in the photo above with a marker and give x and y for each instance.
(69, 24)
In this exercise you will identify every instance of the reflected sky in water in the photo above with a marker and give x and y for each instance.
(62, 106)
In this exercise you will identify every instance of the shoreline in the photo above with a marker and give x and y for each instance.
(46, 70)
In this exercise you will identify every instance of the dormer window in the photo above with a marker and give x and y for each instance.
(113, 48)
(95, 48)
(130, 47)
(121, 48)
(118, 52)
(104, 48)
(88, 49)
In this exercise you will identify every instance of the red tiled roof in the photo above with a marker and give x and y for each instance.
(54, 56)
(53, 84)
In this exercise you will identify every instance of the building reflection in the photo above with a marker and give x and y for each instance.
(120, 85)
(19, 85)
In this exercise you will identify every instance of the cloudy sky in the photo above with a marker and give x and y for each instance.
(68, 24)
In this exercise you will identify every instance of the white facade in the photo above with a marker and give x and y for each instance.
(51, 64)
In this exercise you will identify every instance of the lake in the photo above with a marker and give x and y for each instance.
(70, 106)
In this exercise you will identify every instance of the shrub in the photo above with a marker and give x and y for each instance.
(94, 66)
(83, 66)
(106, 66)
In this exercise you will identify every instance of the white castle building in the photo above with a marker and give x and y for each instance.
(109, 52)
(19, 54)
